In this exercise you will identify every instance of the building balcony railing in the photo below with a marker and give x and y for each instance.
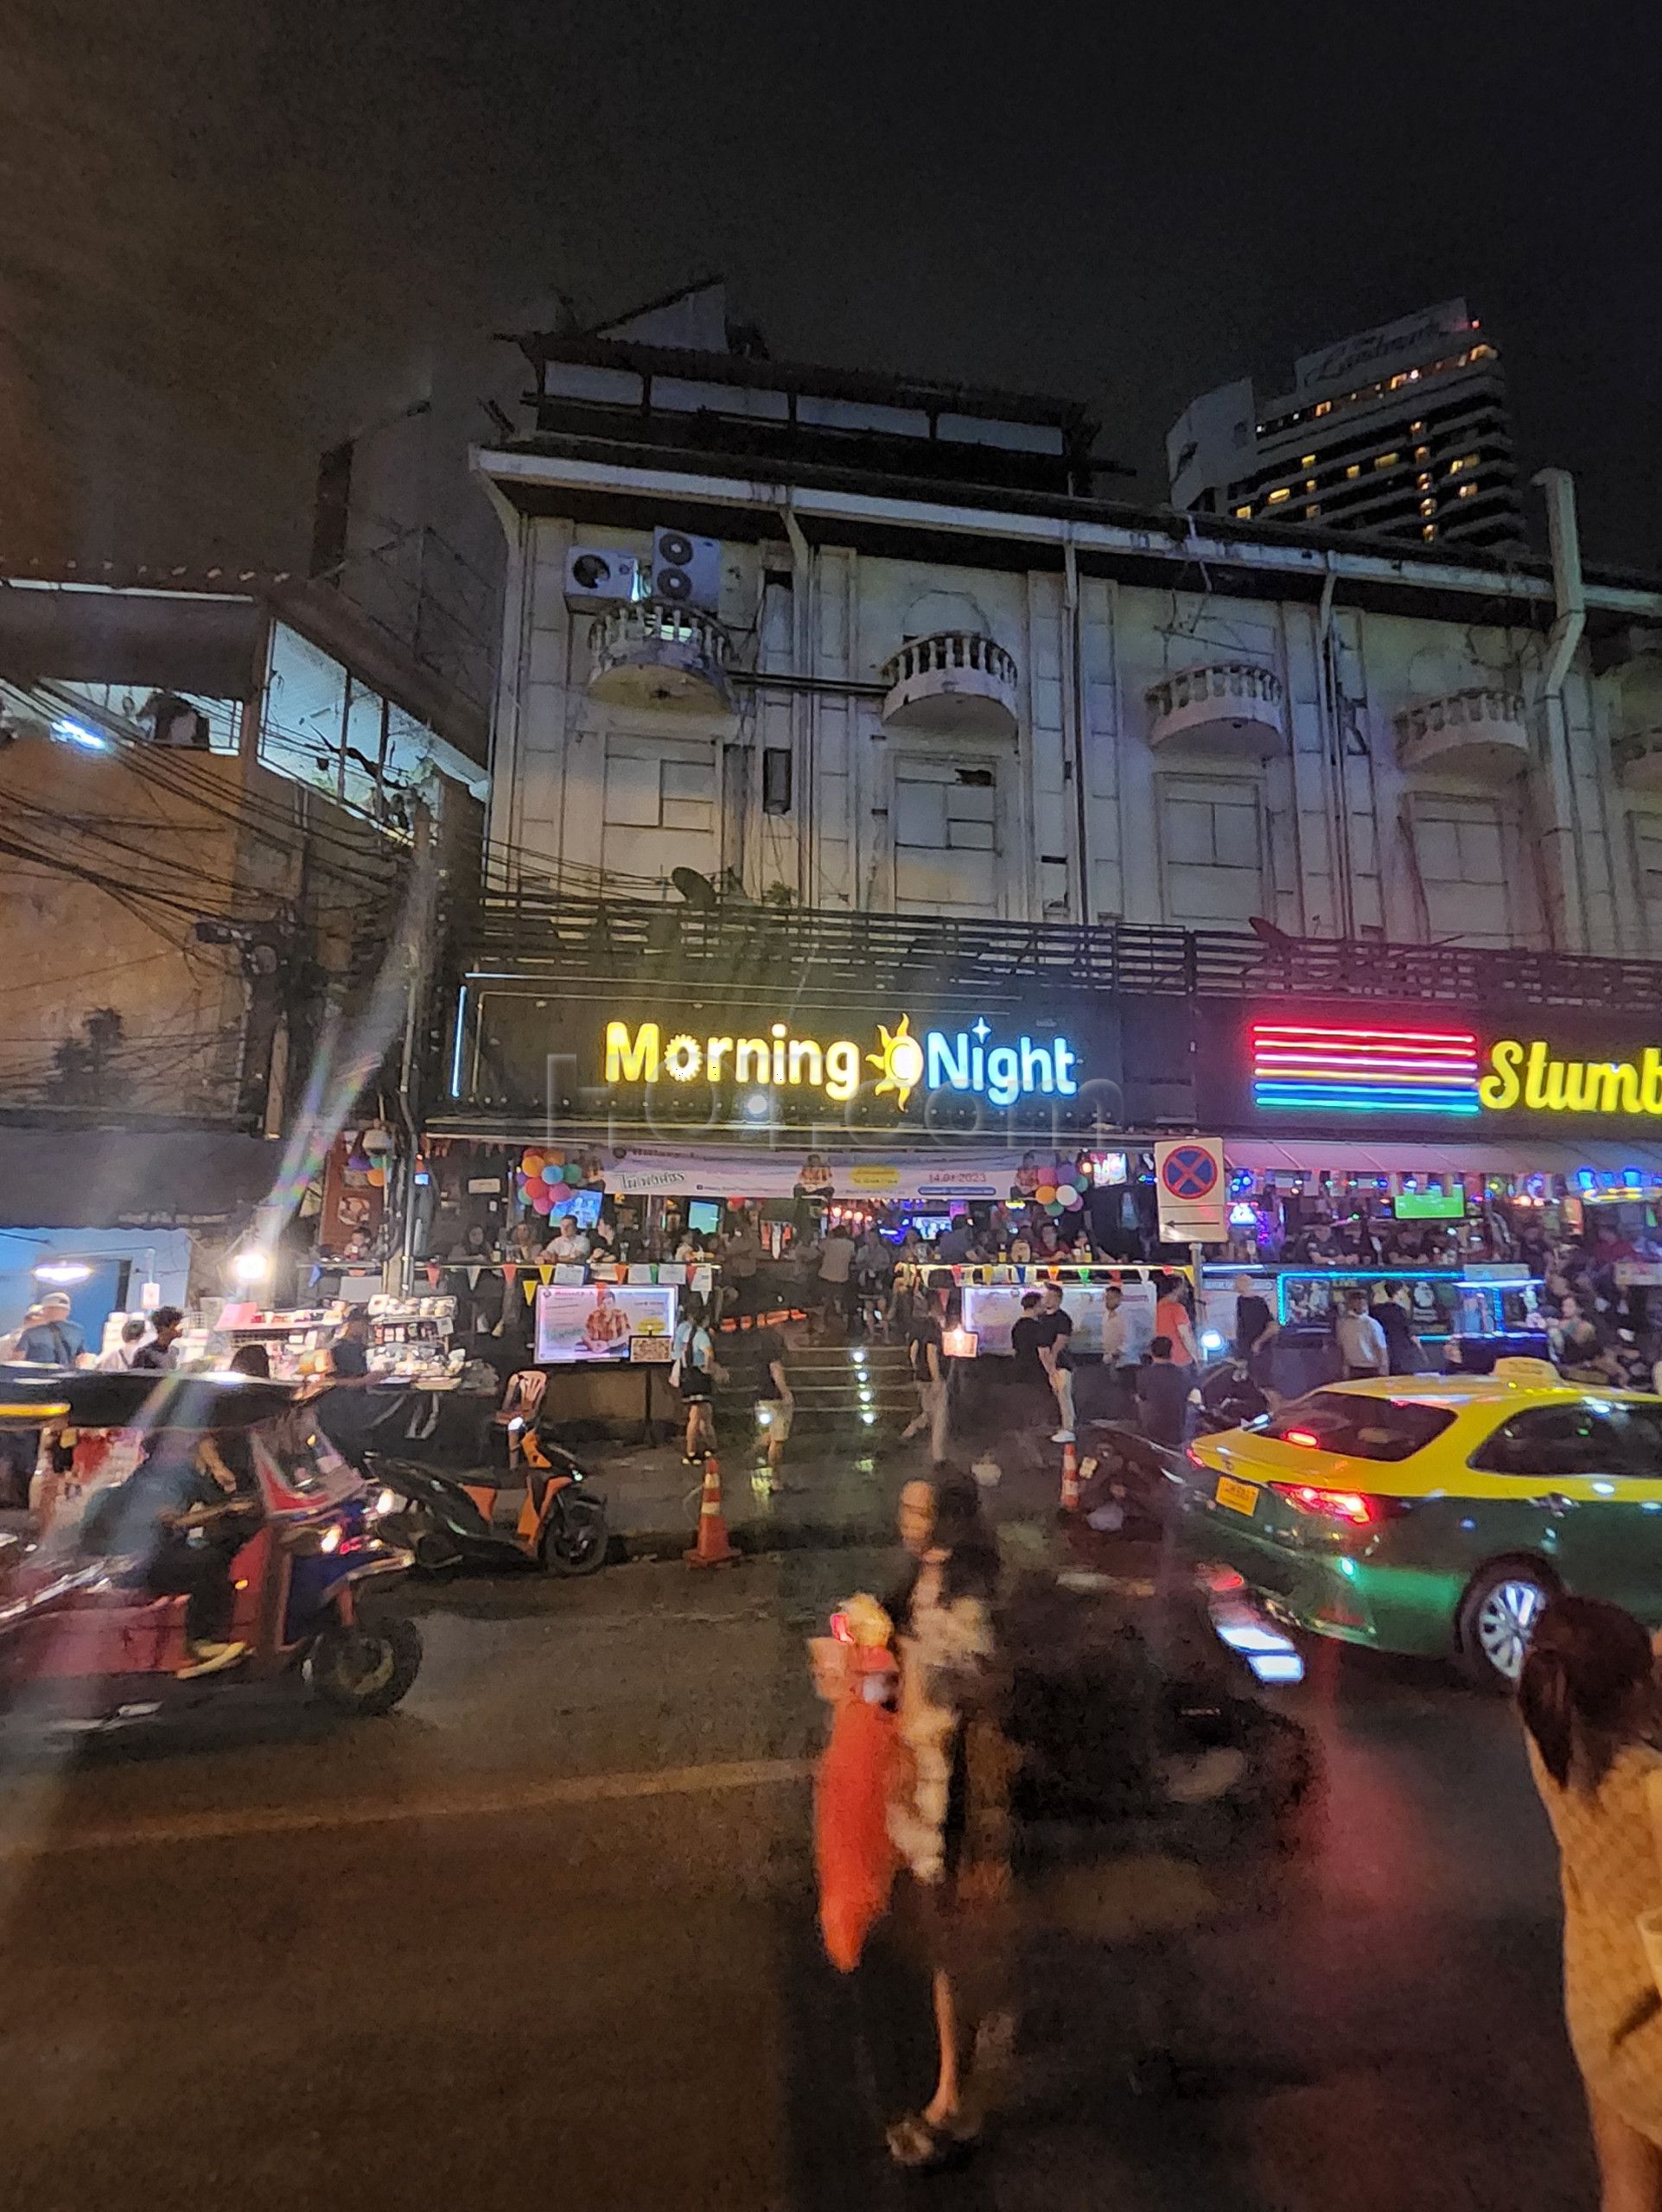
(1233, 708)
(589, 947)
(653, 654)
(1637, 756)
(1480, 732)
(956, 683)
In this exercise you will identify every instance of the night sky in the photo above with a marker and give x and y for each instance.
(228, 230)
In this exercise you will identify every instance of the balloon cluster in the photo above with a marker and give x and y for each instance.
(546, 1182)
(1059, 1198)
(362, 1161)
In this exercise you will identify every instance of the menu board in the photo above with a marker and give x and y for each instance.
(596, 1321)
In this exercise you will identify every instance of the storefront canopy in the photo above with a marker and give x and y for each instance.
(118, 1179)
(1445, 1157)
(897, 1177)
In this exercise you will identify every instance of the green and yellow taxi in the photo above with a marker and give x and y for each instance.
(1436, 1516)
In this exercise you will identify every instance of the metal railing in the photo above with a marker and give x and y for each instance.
(837, 958)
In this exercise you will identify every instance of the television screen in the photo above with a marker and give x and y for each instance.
(705, 1216)
(1430, 1205)
(584, 1209)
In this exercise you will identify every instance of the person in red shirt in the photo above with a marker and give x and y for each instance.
(1171, 1319)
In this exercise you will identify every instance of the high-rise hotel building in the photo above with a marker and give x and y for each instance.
(1402, 431)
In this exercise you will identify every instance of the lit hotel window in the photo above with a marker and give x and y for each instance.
(1421, 453)
(1428, 506)
(1311, 512)
(1309, 483)
(1423, 482)
(1397, 381)
(1483, 353)
(1355, 469)
(1386, 460)
(1323, 407)
(1428, 529)
(1416, 428)
(1286, 492)
(1307, 461)
(1243, 514)
(1469, 490)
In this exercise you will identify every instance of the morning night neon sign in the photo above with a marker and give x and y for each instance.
(964, 1060)
(1304, 1067)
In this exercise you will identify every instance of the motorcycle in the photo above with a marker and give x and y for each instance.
(1143, 1479)
(447, 1523)
(83, 1642)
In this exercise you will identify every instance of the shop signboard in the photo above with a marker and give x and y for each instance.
(1191, 1191)
(991, 1311)
(599, 1320)
(705, 1054)
(1373, 1069)
(974, 1055)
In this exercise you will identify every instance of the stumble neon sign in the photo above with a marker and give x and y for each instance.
(1304, 1068)
(1527, 1076)
(968, 1060)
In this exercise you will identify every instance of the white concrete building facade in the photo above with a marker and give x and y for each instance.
(925, 672)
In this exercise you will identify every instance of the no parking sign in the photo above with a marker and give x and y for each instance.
(1189, 1175)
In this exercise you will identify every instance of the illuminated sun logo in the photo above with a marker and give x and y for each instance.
(899, 1062)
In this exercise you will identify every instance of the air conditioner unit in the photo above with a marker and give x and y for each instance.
(686, 572)
(597, 576)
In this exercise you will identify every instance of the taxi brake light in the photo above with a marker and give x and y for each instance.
(1350, 1505)
(1306, 1437)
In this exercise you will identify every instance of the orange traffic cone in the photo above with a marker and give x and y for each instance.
(1070, 1479)
(713, 1547)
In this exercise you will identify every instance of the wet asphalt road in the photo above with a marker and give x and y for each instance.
(545, 1937)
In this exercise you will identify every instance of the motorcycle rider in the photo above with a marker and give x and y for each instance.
(185, 1511)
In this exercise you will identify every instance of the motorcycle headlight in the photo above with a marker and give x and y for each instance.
(387, 1503)
(330, 1538)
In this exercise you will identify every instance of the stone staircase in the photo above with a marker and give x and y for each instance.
(860, 1391)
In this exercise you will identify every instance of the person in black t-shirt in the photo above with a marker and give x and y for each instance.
(1162, 1397)
(1029, 1342)
(927, 1361)
(1255, 1329)
(1025, 1338)
(1055, 1353)
(775, 1403)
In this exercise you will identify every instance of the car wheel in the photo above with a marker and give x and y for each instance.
(1497, 1619)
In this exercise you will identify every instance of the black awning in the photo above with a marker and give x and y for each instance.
(129, 1179)
(160, 641)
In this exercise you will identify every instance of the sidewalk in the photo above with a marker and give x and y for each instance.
(837, 1494)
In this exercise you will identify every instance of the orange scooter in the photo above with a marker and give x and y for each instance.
(449, 1524)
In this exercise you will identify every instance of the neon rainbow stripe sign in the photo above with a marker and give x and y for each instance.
(1305, 1067)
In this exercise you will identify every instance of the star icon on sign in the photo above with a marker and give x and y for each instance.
(981, 1033)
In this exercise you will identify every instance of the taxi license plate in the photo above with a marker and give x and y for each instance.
(1240, 1497)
